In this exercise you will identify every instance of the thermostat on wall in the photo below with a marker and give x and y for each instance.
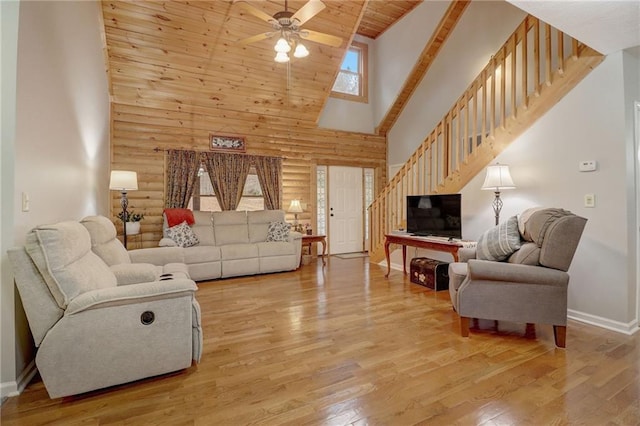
(587, 166)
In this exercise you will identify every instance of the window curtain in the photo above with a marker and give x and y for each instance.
(269, 171)
(228, 173)
(182, 176)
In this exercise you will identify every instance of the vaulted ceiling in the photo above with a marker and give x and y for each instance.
(185, 56)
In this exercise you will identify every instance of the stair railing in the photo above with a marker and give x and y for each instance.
(534, 68)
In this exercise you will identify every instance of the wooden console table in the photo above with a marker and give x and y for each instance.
(307, 240)
(451, 247)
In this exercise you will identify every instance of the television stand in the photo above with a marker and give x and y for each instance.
(430, 243)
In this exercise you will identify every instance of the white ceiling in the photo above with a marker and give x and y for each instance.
(604, 25)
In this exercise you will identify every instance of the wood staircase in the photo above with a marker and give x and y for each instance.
(528, 75)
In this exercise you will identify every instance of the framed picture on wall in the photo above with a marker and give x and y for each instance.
(229, 143)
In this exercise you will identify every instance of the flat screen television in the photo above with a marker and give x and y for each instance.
(435, 215)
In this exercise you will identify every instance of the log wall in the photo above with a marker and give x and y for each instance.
(138, 130)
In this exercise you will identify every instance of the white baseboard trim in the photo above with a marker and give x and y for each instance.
(14, 388)
(394, 266)
(620, 327)
(8, 389)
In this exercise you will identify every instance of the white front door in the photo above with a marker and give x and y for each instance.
(345, 210)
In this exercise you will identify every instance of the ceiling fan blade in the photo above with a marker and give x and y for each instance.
(255, 12)
(308, 11)
(322, 38)
(255, 38)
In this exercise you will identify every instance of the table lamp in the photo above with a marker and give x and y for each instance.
(295, 208)
(123, 181)
(497, 179)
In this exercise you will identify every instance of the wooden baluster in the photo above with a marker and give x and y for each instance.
(525, 61)
(560, 52)
(547, 66)
(465, 134)
(446, 145)
(536, 58)
(514, 73)
(503, 88)
(474, 129)
(483, 108)
(457, 143)
(492, 99)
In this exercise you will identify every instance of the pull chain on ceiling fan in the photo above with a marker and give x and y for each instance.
(287, 24)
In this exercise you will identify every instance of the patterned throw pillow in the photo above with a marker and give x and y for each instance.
(182, 235)
(500, 242)
(278, 231)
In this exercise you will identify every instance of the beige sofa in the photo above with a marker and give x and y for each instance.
(232, 243)
(92, 331)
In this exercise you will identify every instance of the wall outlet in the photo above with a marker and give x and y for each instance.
(589, 200)
(587, 166)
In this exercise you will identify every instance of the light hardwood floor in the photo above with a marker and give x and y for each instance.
(342, 345)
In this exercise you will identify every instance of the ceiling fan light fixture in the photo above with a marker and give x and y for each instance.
(301, 51)
(282, 46)
(282, 57)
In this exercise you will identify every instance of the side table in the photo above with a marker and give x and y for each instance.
(307, 240)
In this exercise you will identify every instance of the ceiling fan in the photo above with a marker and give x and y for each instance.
(287, 24)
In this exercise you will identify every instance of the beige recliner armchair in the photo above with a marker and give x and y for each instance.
(530, 284)
(91, 332)
(135, 266)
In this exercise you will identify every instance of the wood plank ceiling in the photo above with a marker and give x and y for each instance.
(177, 74)
(184, 56)
(381, 14)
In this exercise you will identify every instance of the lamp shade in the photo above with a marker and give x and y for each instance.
(301, 51)
(122, 180)
(281, 57)
(295, 207)
(282, 46)
(498, 178)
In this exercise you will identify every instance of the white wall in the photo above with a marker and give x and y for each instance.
(397, 51)
(482, 29)
(9, 12)
(62, 151)
(631, 69)
(587, 124)
(389, 66)
(62, 130)
(351, 116)
(593, 122)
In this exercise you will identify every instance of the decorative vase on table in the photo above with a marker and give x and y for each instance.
(133, 228)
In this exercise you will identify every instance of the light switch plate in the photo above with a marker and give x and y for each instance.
(587, 166)
(589, 200)
(25, 202)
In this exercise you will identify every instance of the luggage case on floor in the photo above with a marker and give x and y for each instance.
(430, 273)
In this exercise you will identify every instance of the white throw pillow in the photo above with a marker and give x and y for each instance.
(182, 235)
(278, 231)
(500, 242)
(166, 242)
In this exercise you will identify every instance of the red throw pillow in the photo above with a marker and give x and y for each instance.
(177, 216)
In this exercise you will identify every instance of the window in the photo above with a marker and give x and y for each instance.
(369, 187)
(204, 199)
(351, 82)
(321, 181)
(252, 198)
